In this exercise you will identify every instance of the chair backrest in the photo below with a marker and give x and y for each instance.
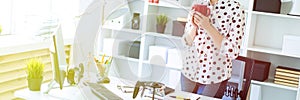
(247, 75)
(238, 70)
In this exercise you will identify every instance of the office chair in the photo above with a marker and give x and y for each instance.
(245, 80)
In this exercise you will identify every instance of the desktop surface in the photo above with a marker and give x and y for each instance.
(83, 92)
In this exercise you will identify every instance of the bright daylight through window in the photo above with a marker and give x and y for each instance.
(36, 17)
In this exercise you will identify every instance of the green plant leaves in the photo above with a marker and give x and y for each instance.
(162, 19)
(35, 68)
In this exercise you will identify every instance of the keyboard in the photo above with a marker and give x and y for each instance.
(102, 92)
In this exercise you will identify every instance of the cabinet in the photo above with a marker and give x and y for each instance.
(265, 32)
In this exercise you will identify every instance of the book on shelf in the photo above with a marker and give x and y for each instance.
(288, 70)
(286, 81)
(285, 84)
(287, 78)
(286, 74)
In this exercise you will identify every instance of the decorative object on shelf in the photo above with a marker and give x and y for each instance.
(286, 6)
(178, 27)
(151, 1)
(260, 70)
(295, 8)
(287, 76)
(119, 17)
(134, 49)
(156, 1)
(35, 71)
(161, 21)
(272, 6)
(135, 22)
(289, 45)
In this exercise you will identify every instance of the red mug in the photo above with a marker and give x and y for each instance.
(203, 9)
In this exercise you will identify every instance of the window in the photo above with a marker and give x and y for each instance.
(35, 17)
(5, 16)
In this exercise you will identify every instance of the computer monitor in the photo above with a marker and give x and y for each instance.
(58, 59)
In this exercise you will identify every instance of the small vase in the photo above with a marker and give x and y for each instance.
(34, 84)
(160, 28)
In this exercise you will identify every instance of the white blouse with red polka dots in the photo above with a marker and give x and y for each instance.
(203, 62)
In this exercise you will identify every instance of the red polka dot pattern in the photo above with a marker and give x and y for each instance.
(206, 63)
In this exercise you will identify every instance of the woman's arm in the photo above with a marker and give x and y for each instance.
(203, 22)
(228, 45)
(190, 30)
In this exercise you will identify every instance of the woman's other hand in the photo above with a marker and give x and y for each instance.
(192, 13)
(201, 21)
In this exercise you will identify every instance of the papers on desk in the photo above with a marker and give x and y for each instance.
(126, 89)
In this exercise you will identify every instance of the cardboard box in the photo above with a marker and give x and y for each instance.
(115, 47)
(178, 28)
(174, 58)
(117, 20)
(289, 45)
(261, 70)
(264, 6)
(158, 55)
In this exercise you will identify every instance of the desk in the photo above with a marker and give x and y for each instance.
(82, 92)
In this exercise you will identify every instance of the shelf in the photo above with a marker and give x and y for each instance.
(270, 83)
(122, 57)
(165, 35)
(169, 5)
(269, 50)
(275, 15)
(167, 66)
(122, 29)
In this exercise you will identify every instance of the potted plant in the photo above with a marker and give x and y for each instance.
(35, 70)
(161, 21)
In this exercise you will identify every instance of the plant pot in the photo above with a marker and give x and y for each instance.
(160, 28)
(35, 84)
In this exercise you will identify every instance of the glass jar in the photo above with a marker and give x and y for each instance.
(135, 21)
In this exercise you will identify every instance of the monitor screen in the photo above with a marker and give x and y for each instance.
(58, 57)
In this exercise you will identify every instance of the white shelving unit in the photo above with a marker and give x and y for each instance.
(141, 68)
(275, 15)
(265, 33)
(271, 84)
(274, 51)
(166, 35)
